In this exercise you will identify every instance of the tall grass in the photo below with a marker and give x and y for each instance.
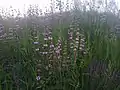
(78, 50)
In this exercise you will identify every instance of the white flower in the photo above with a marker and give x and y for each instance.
(57, 51)
(50, 32)
(45, 52)
(58, 47)
(70, 38)
(60, 44)
(75, 49)
(45, 45)
(35, 37)
(82, 45)
(37, 49)
(45, 39)
(85, 52)
(58, 57)
(52, 46)
(36, 42)
(38, 78)
(77, 39)
(50, 38)
(77, 42)
(49, 65)
(71, 47)
(71, 44)
(82, 40)
(77, 33)
(81, 48)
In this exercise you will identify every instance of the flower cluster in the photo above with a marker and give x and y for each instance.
(82, 47)
(2, 33)
(38, 72)
(70, 37)
(47, 41)
(59, 53)
(58, 49)
(77, 40)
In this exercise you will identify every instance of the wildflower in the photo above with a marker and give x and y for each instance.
(17, 26)
(77, 39)
(77, 33)
(58, 57)
(70, 38)
(49, 65)
(36, 42)
(45, 39)
(44, 53)
(60, 44)
(37, 49)
(38, 78)
(50, 32)
(50, 38)
(35, 37)
(71, 46)
(81, 48)
(75, 49)
(52, 46)
(71, 28)
(81, 45)
(57, 51)
(58, 47)
(45, 45)
(84, 52)
(82, 40)
(77, 42)
(45, 35)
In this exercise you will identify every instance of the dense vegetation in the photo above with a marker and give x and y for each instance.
(71, 49)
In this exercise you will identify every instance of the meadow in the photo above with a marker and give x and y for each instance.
(76, 49)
